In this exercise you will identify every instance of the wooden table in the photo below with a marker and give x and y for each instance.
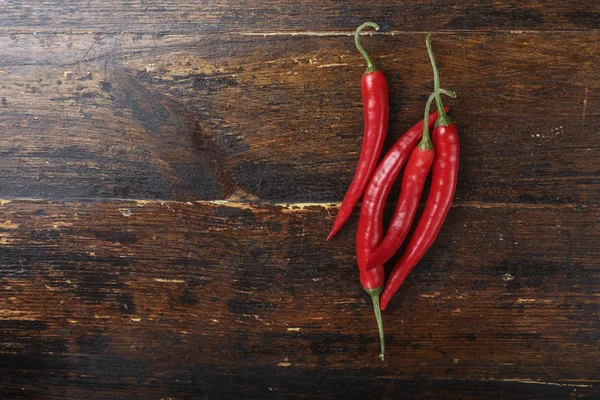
(169, 171)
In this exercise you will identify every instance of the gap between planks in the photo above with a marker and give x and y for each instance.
(284, 205)
(292, 33)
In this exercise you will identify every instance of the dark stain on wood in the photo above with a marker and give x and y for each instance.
(117, 236)
(196, 170)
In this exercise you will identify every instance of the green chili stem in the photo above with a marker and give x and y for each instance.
(375, 297)
(425, 143)
(370, 66)
(443, 118)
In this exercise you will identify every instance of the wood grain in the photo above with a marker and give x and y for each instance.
(278, 118)
(205, 299)
(169, 171)
(176, 16)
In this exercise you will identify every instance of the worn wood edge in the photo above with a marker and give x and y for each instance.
(42, 32)
(254, 204)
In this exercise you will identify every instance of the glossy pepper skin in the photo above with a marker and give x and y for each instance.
(376, 114)
(370, 223)
(441, 193)
(381, 183)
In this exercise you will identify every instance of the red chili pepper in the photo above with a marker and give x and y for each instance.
(441, 193)
(413, 181)
(370, 225)
(376, 113)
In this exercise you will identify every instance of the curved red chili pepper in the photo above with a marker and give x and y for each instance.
(370, 224)
(441, 193)
(443, 186)
(376, 113)
(413, 181)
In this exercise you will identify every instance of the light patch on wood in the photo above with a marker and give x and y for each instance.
(126, 212)
(59, 224)
(303, 206)
(8, 224)
(4, 201)
(300, 33)
(234, 204)
(17, 315)
(294, 329)
(526, 300)
(51, 289)
(4, 240)
(285, 363)
(434, 294)
(507, 277)
(164, 280)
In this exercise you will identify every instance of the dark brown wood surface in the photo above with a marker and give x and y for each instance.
(169, 171)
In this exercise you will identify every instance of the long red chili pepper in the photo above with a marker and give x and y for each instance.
(370, 224)
(441, 193)
(376, 113)
(413, 181)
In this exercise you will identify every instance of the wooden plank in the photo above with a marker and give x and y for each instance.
(271, 15)
(189, 299)
(279, 118)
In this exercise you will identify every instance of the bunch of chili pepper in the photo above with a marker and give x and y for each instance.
(373, 181)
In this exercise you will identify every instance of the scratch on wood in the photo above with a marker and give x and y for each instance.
(331, 65)
(163, 280)
(585, 102)
(87, 52)
(256, 317)
(579, 385)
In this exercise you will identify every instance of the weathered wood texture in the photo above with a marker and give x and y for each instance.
(175, 293)
(190, 300)
(302, 16)
(279, 118)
